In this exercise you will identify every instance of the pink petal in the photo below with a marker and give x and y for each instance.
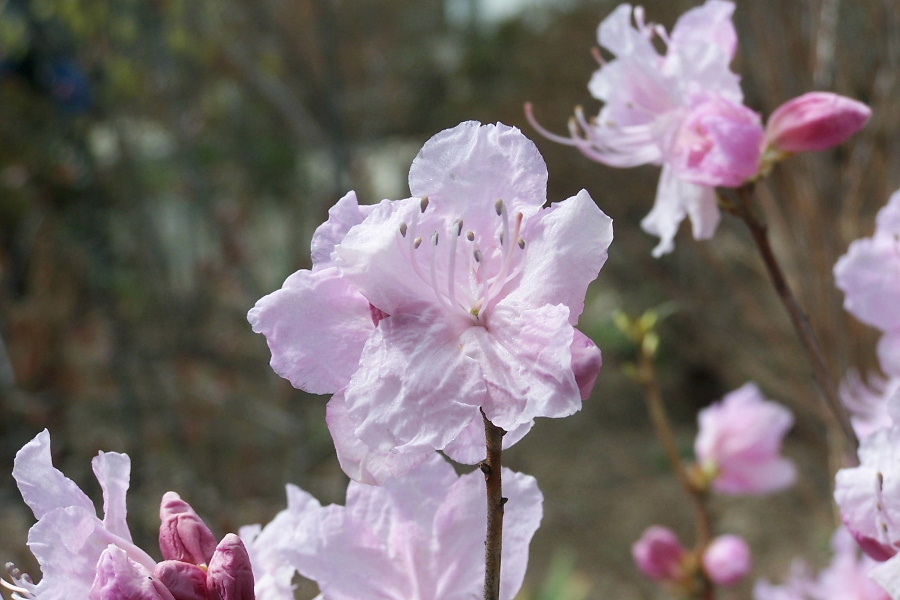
(566, 245)
(113, 471)
(887, 575)
(815, 121)
(346, 213)
(710, 23)
(473, 165)
(120, 578)
(43, 487)
(415, 384)
(869, 276)
(526, 361)
(586, 363)
(360, 462)
(676, 198)
(316, 326)
(459, 525)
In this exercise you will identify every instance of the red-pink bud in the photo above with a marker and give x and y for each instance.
(182, 534)
(659, 554)
(727, 560)
(815, 121)
(184, 580)
(586, 363)
(230, 576)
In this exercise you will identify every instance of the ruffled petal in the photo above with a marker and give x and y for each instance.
(710, 23)
(360, 462)
(316, 326)
(869, 276)
(889, 353)
(120, 578)
(67, 543)
(415, 384)
(566, 245)
(526, 360)
(113, 471)
(44, 488)
(674, 198)
(346, 213)
(378, 261)
(472, 165)
(887, 575)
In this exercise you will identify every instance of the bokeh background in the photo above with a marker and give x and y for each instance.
(163, 164)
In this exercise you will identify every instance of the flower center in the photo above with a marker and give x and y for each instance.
(467, 273)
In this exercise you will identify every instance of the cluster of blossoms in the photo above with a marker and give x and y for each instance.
(738, 451)
(419, 315)
(83, 556)
(683, 109)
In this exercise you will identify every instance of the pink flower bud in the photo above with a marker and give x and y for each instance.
(230, 576)
(719, 143)
(184, 580)
(727, 560)
(815, 121)
(586, 363)
(659, 554)
(182, 534)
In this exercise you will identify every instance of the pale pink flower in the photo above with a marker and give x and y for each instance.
(846, 578)
(418, 536)
(726, 561)
(869, 276)
(815, 121)
(82, 556)
(659, 554)
(739, 443)
(423, 312)
(681, 109)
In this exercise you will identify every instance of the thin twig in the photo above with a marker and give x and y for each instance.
(799, 319)
(493, 543)
(657, 409)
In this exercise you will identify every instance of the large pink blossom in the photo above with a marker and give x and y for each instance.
(420, 313)
(869, 276)
(739, 443)
(84, 556)
(845, 578)
(418, 536)
(681, 109)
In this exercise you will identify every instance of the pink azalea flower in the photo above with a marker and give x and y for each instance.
(419, 536)
(815, 121)
(846, 578)
(681, 109)
(659, 554)
(869, 276)
(739, 443)
(83, 556)
(425, 311)
(726, 561)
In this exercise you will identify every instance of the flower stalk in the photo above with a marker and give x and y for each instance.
(493, 543)
(799, 319)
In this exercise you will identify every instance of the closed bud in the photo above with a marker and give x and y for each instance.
(658, 554)
(726, 560)
(184, 580)
(586, 363)
(230, 576)
(815, 121)
(182, 533)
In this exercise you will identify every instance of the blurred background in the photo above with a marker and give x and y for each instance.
(163, 164)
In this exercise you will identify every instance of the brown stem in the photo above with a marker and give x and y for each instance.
(698, 496)
(493, 543)
(799, 319)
